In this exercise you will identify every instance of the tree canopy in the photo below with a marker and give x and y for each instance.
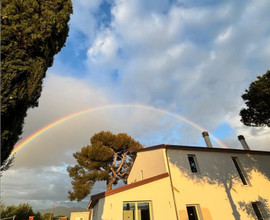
(32, 32)
(109, 158)
(257, 100)
(22, 211)
(47, 216)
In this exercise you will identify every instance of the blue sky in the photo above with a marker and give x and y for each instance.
(190, 58)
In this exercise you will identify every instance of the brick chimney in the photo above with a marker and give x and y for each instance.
(207, 139)
(243, 142)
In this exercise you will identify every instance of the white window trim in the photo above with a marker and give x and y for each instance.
(242, 170)
(196, 163)
(198, 210)
(258, 204)
(136, 208)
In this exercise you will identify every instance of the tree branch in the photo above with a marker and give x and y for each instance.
(114, 173)
(122, 161)
(122, 174)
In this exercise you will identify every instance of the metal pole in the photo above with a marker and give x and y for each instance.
(52, 210)
(0, 194)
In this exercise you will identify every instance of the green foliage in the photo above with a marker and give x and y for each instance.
(108, 158)
(22, 211)
(257, 99)
(32, 32)
(7, 164)
(46, 216)
(60, 216)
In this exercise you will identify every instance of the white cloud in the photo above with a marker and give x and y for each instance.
(104, 48)
(225, 35)
(191, 58)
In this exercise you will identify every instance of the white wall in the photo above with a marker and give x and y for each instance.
(151, 163)
(158, 193)
(217, 188)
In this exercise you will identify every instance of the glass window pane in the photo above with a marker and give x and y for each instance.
(129, 211)
(192, 164)
(143, 211)
(257, 211)
(192, 213)
(239, 171)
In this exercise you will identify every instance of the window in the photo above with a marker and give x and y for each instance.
(257, 210)
(136, 211)
(240, 172)
(193, 164)
(193, 212)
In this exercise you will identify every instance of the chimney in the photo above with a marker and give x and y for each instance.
(207, 139)
(243, 142)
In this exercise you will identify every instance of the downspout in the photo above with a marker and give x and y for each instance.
(171, 185)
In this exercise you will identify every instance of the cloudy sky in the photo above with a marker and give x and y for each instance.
(186, 59)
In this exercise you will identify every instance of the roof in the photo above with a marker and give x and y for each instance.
(94, 198)
(196, 148)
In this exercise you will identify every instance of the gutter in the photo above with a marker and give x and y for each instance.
(176, 213)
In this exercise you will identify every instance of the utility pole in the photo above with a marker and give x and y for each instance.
(52, 210)
(0, 194)
(1, 173)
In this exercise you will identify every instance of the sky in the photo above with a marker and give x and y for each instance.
(161, 71)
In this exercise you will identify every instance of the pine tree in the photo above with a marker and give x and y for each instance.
(32, 32)
(109, 158)
(257, 99)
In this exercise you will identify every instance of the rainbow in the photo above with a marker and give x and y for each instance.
(61, 120)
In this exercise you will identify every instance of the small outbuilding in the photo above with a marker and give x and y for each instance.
(80, 215)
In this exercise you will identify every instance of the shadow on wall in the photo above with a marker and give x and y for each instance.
(219, 169)
(263, 206)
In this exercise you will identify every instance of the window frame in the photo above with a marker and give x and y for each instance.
(241, 172)
(257, 204)
(198, 210)
(136, 208)
(195, 162)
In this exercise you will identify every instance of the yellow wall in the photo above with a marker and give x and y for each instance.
(217, 188)
(75, 215)
(152, 163)
(158, 193)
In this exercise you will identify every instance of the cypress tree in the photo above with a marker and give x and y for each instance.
(32, 32)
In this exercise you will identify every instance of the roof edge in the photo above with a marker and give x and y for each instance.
(214, 149)
(94, 198)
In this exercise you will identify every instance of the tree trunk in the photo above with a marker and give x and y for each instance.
(109, 184)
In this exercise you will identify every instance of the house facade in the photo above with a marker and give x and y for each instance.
(169, 182)
(80, 215)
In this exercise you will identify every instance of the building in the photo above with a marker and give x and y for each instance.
(60, 218)
(80, 215)
(169, 182)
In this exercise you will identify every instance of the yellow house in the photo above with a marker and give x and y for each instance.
(169, 182)
(80, 215)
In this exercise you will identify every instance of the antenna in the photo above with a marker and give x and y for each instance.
(52, 210)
